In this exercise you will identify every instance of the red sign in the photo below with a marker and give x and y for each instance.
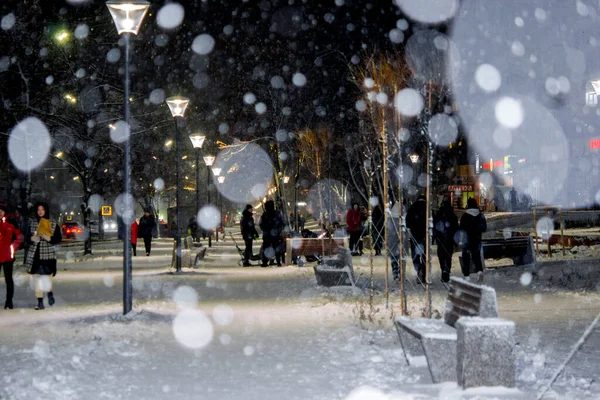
(498, 163)
(595, 144)
(460, 188)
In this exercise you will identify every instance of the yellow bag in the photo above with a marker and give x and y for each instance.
(44, 227)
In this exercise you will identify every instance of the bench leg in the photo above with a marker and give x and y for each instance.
(411, 345)
(441, 358)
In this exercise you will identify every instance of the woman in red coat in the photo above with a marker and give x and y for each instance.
(353, 220)
(10, 239)
(134, 236)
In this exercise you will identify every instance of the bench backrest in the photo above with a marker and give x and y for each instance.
(310, 247)
(467, 299)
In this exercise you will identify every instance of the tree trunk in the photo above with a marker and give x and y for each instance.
(86, 212)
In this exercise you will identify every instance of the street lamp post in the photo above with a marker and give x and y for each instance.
(178, 105)
(128, 17)
(209, 161)
(217, 172)
(197, 141)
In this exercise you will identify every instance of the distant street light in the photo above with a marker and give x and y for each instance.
(209, 161)
(128, 17)
(216, 171)
(414, 158)
(197, 141)
(178, 105)
(221, 179)
(286, 179)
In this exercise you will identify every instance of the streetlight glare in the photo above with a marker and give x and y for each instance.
(177, 105)
(216, 171)
(128, 15)
(62, 36)
(169, 143)
(70, 98)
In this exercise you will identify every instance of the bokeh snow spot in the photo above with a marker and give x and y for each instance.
(159, 184)
(193, 329)
(260, 108)
(488, 78)
(409, 102)
(526, 278)
(367, 393)
(113, 55)
(209, 217)
(509, 112)
(185, 297)
(223, 315)
(81, 31)
(7, 22)
(170, 16)
(249, 351)
(545, 228)
(157, 96)
(29, 144)
(203, 44)
(299, 79)
(120, 132)
(125, 206)
(443, 129)
(109, 280)
(249, 98)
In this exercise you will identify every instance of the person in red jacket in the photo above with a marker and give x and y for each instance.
(353, 220)
(134, 236)
(10, 239)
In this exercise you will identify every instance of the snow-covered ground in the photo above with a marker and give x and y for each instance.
(226, 332)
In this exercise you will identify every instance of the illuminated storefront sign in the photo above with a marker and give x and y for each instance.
(460, 188)
(595, 144)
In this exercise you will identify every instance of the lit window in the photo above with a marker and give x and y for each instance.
(591, 99)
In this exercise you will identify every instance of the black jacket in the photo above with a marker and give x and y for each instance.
(416, 220)
(247, 225)
(445, 225)
(271, 225)
(146, 228)
(474, 224)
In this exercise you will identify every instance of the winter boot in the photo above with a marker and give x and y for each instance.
(8, 305)
(40, 305)
(480, 276)
(51, 298)
(445, 275)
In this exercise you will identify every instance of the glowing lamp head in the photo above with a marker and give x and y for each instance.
(414, 158)
(209, 160)
(216, 171)
(197, 140)
(221, 179)
(178, 105)
(128, 14)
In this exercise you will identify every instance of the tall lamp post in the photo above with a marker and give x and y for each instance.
(197, 141)
(209, 161)
(178, 105)
(217, 172)
(128, 17)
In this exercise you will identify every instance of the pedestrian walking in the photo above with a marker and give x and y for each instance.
(445, 226)
(473, 223)
(301, 222)
(416, 222)
(146, 229)
(41, 257)
(377, 232)
(249, 232)
(193, 228)
(394, 225)
(134, 236)
(271, 224)
(10, 240)
(353, 220)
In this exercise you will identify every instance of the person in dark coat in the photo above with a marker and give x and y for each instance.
(377, 233)
(513, 199)
(416, 222)
(193, 228)
(473, 223)
(445, 225)
(271, 224)
(10, 240)
(146, 229)
(353, 221)
(41, 257)
(249, 232)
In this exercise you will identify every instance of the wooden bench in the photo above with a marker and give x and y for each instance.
(520, 249)
(436, 339)
(309, 247)
(191, 253)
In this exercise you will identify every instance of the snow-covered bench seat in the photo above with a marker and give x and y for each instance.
(336, 270)
(437, 339)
